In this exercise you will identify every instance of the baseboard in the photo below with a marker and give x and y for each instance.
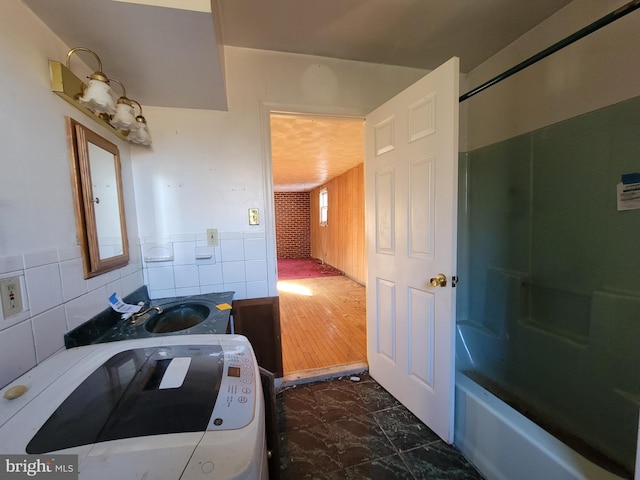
(319, 374)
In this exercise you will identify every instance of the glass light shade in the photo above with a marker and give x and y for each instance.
(140, 134)
(98, 97)
(124, 119)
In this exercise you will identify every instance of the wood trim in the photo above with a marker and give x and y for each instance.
(78, 139)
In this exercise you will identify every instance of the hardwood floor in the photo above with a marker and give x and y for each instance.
(322, 323)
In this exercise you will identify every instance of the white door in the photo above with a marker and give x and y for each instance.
(411, 170)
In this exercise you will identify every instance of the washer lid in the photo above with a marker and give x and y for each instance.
(139, 392)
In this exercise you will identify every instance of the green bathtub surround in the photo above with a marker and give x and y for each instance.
(549, 291)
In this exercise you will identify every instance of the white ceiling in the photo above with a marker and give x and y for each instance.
(164, 56)
(156, 48)
(170, 52)
(308, 150)
(413, 33)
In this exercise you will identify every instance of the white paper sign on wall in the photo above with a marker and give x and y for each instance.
(628, 192)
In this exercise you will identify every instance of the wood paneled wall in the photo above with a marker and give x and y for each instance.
(341, 243)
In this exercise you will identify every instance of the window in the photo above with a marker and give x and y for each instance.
(324, 206)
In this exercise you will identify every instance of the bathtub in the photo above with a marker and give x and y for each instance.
(548, 367)
(505, 445)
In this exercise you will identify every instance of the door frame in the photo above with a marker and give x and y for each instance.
(266, 109)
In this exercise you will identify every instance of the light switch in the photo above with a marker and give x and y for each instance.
(254, 216)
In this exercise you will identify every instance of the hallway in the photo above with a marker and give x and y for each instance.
(323, 323)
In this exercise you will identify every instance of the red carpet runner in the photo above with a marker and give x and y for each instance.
(297, 268)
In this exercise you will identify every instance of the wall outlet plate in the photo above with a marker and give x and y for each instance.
(212, 237)
(11, 295)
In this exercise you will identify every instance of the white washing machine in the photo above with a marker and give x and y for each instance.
(181, 407)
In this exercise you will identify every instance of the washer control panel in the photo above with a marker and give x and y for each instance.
(237, 395)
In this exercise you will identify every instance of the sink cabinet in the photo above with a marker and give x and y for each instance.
(258, 319)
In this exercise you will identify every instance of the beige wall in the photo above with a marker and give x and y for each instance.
(37, 222)
(207, 168)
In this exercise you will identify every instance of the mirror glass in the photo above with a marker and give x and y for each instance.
(97, 185)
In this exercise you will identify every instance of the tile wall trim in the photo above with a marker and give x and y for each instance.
(227, 267)
(56, 298)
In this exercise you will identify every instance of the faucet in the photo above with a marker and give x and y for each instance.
(137, 318)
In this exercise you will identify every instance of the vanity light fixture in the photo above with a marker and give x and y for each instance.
(140, 132)
(98, 96)
(124, 117)
(98, 101)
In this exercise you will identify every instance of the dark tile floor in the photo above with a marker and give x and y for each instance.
(341, 429)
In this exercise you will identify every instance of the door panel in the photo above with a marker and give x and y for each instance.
(410, 194)
(422, 118)
(385, 319)
(421, 329)
(384, 135)
(421, 204)
(385, 211)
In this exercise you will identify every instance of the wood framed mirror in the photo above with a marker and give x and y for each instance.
(97, 196)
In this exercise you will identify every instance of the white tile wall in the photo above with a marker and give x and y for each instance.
(213, 289)
(73, 282)
(160, 278)
(132, 281)
(210, 274)
(17, 352)
(80, 309)
(239, 288)
(255, 248)
(238, 263)
(186, 276)
(233, 272)
(48, 332)
(36, 259)
(44, 287)
(256, 270)
(56, 298)
(232, 249)
(183, 292)
(11, 264)
(96, 282)
(257, 289)
(184, 252)
(114, 286)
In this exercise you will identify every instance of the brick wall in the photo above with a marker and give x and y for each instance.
(293, 214)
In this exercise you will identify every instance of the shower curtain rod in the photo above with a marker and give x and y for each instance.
(606, 20)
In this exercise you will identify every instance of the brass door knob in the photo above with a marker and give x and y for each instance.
(439, 281)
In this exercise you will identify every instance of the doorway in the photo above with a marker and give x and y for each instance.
(323, 317)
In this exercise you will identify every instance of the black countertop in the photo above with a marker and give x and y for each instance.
(108, 325)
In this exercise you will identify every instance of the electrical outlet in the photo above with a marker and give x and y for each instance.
(212, 237)
(11, 295)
